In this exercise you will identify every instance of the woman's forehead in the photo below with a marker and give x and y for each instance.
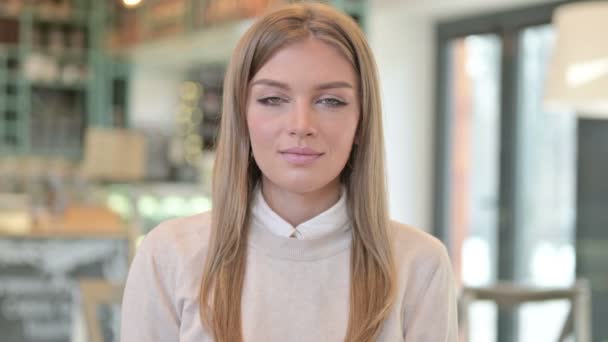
(311, 61)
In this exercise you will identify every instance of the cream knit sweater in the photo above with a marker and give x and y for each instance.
(296, 290)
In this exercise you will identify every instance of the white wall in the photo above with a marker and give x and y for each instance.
(154, 96)
(401, 33)
(404, 55)
(160, 66)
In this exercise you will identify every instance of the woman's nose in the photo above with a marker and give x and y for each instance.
(302, 121)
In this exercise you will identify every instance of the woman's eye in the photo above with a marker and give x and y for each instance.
(332, 102)
(271, 101)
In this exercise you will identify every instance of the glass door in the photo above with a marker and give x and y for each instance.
(473, 173)
(547, 190)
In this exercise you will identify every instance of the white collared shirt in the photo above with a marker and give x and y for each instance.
(331, 220)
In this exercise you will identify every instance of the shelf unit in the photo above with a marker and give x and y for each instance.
(55, 77)
(159, 19)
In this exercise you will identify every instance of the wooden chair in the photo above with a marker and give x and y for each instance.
(97, 292)
(509, 295)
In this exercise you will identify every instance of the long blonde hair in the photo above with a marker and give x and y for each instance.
(235, 174)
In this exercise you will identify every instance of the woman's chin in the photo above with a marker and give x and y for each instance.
(301, 184)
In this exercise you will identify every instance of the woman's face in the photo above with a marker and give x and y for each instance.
(302, 114)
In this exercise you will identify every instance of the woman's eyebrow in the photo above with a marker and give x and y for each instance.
(336, 84)
(272, 83)
(323, 86)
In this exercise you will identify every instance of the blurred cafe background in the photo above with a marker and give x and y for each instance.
(496, 127)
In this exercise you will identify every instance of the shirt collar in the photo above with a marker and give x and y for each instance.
(334, 219)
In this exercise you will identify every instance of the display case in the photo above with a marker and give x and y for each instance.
(56, 79)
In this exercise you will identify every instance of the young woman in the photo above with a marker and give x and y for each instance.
(298, 246)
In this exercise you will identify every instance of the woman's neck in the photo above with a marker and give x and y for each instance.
(297, 208)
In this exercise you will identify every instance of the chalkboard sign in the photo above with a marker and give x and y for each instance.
(39, 284)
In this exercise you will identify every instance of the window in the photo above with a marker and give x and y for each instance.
(506, 169)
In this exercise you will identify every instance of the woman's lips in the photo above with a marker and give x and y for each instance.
(300, 156)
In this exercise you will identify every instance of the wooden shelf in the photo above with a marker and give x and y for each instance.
(7, 16)
(76, 18)
(66, 55)
(59, 86)
(10, 102)
(10, 127)
(8, 50)
(9, 78)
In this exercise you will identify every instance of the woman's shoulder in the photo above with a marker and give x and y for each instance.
(427, 287)
(416, 248)
(179, 237)
(164, 273)
(184, 227)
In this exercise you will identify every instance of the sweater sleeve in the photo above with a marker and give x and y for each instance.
(148, 312)
(435, 316)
